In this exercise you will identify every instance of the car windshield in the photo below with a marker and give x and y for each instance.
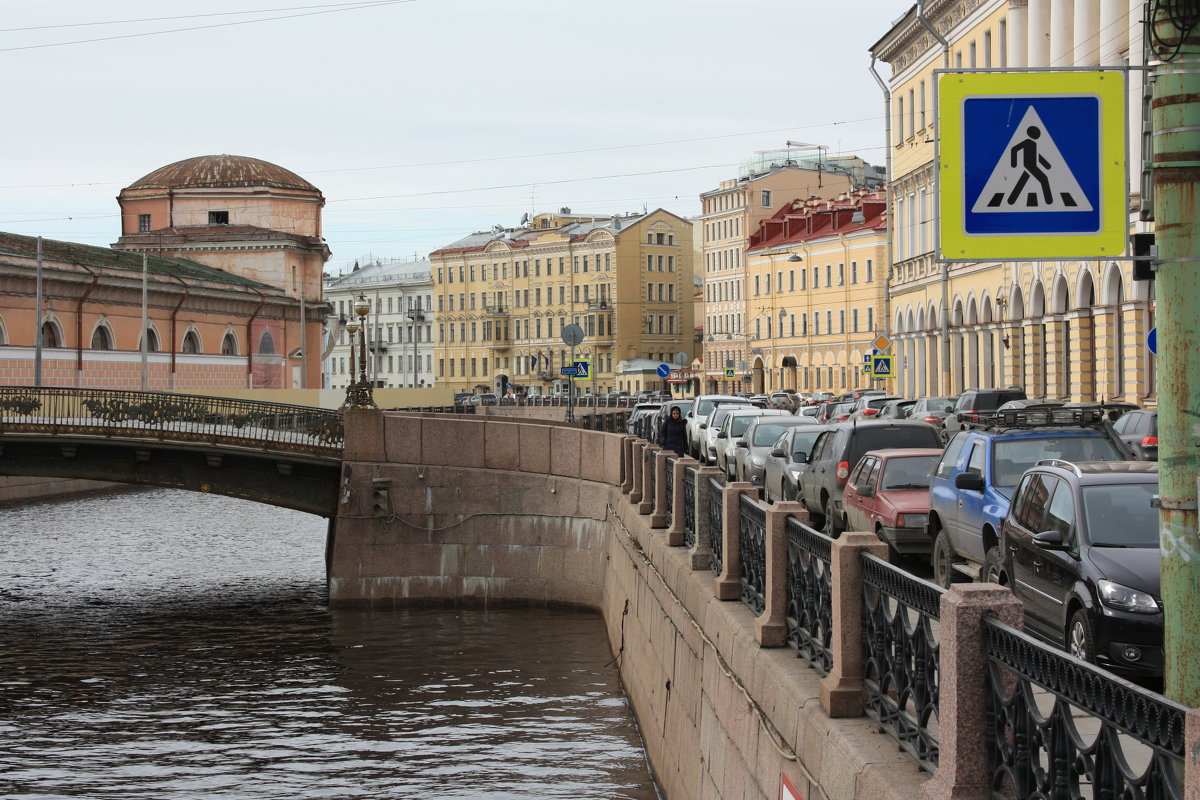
(1121, 515)
(765, 434)
(1012, 457)
(908, 472)
(940, 403)
(802, 442)
(718, 417)
(706, 406)
(740, 424)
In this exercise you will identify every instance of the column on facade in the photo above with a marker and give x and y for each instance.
(933, 372)
(1038, 33)
(1087, 33)
(1018, 33)
(1104, 340)
(956, 372)
(1138, 383)
(1057, 379)
(1083, 358)
(1035, 349)
(1013, 373)
(1062, 33)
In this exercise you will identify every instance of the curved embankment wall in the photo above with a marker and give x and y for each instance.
(496, 511)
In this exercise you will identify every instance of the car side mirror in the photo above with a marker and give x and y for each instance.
(1049, 540)
(969, 480)
(778, 454)
(703, 425)
(741, 443)
(800, 458)
(722, 435)
(959, 416)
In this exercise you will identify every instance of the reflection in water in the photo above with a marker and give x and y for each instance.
(163, 644)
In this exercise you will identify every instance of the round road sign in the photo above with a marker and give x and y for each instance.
(572, 335)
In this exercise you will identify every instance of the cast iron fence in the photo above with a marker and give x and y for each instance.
(752, 552)
(669, 513)
(809, 595)
(689, 507)
(716, 508)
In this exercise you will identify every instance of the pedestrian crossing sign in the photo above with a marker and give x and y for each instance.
(583, 370)
(1032, 165)
(729, 373)
(881, 366)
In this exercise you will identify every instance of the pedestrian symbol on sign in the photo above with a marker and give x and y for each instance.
(1031, 175)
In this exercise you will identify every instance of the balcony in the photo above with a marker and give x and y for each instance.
(595, 305)
(496, 312)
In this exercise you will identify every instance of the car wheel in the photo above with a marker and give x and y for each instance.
(993, 566)
(942, 560)
(893, 554)
(831, 528)
(790, 494)
(1079, 637)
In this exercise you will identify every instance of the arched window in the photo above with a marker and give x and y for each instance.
(102, 338)
(266, 344)
(50, 336)
(151, 341)
(229, 345)
(191, 342)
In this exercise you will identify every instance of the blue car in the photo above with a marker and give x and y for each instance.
(973, 484)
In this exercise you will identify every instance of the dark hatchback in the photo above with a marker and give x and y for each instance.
(1080, 549)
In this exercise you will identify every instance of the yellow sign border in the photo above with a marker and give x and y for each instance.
(955, 243)
(877, 360)
(587, 361)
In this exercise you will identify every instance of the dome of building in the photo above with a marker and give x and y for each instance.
(221, 170)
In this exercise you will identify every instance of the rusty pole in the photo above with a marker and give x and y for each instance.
(1176, 128)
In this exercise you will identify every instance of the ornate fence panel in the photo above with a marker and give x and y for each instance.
(1128, 742)
(689, 507)
(752, 550)
(900, 657)
(163, 416)
(716, 524)
(810, 595)
(652, 468)
(670, 487)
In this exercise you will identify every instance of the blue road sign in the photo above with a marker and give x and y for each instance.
(567, 370)
(729, 373)
(1152, 340)
(583, 370)
(881, 366)
(664, 370)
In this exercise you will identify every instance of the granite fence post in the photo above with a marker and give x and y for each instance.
(842, 688)
(627, 464)
(701, 552)
(678, 516)
(649, 478)
(728, 585)
(962, 759)
(770, 629)
(658, 519)
(639, 449)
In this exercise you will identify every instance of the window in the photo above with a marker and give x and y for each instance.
(841, 274)
(102, 338)
(971, 55)
(1060, 516)
(218, 218)
(766, 198)
(987, 49)
(854, 320)
(143, 223)
(228, 345)
(922, 117)
(828, 275)
(191, 343)
(1003, 43)
(870, 275)
(841, 320)
(912, 112)
(899, 120)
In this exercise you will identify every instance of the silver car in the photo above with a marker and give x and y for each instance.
(786, 462)
(711, 426)
(750, 458)
(730, 435)
(702, 406)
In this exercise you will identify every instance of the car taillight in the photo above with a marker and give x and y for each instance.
(870, 412)
(1150, 441)
(932, 420)
(843, 471)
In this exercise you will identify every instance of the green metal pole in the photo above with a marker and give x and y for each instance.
(1176, 127)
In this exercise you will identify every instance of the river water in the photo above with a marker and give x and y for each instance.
(170, 645)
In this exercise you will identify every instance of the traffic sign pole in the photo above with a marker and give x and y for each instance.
(1176, 139)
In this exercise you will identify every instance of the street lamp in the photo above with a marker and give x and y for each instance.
(358, 393)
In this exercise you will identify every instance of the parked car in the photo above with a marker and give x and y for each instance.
(896, 409)
(750, 454)
(813, 412)
(932, 410)
(857, 393)
(839, 447)
(485, 399)
(733, 428)
(462, 398)
(973, 403)
(835, 412)
(638, 423)
(696, 415)
(783, 399)
(888, 493)
(787, 461)
(1080, 549)
(971, 488)
(1139, 430)
(869, 406)
(711, 426)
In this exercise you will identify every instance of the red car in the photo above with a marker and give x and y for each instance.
(888, 493)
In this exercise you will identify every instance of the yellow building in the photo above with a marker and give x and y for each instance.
(816, 277)
(1058, 328)
(502, 299)
(730, 213)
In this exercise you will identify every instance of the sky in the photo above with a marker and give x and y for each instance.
(422, 121)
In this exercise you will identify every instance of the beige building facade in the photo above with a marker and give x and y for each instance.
(503, 298)
(1071, 329)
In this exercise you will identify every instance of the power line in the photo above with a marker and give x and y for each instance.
(164, 19)
(355, 7)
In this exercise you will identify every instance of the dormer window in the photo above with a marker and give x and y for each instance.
(218, 218)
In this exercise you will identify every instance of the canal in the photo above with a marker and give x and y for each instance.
(165, 644)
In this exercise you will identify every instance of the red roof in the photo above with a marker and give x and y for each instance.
(817, 218)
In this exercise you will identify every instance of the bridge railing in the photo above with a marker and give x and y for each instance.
(164, 416)
(1035, 720)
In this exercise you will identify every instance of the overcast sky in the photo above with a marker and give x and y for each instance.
(424, 120)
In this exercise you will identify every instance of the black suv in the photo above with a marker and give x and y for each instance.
(972, 406)
(1080, 548)
(838, 449)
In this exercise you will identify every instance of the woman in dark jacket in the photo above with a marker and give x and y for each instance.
(674, 433)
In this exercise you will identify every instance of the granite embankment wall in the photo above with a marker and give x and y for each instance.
(19, 489)
(494, 511)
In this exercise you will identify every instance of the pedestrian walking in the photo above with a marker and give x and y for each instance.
(674, 433)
